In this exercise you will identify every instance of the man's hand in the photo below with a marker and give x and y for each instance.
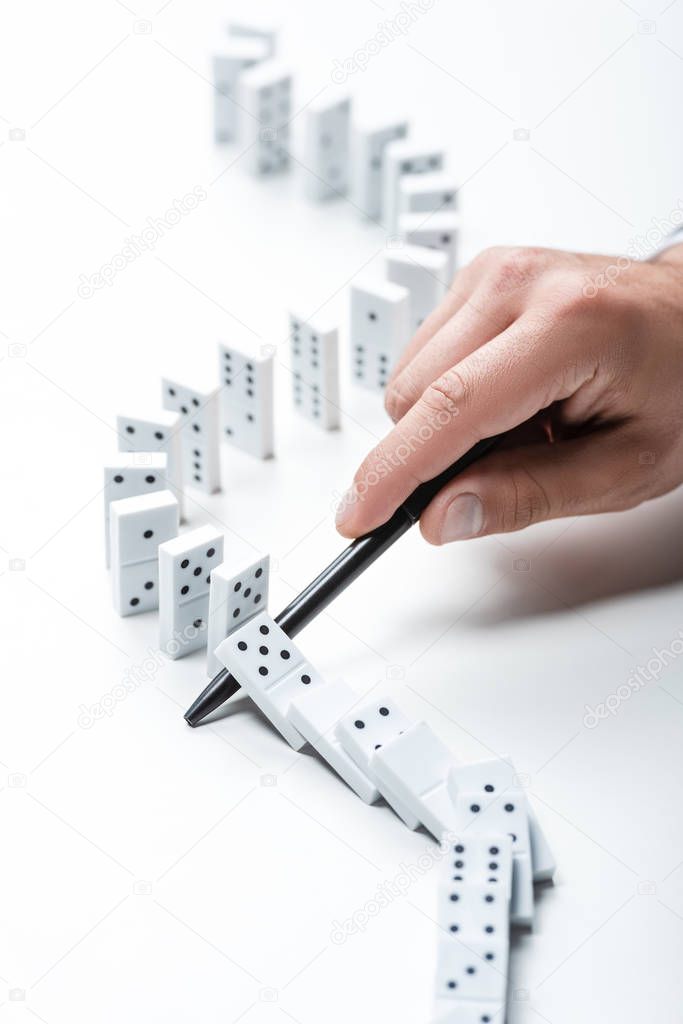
(583, 351)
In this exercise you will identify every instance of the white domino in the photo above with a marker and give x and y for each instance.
(415, 766)
(427, 193)
(198, 408)
(186, 565)
(246, 397)
(126, 475)
(369, 145)
(316, 715)
(234, 59)
(272, 670)
(138, 526)
(256, 29)
(238, 592)
(380, 328)
(485, 799)
(315, 371)
(476, 970)
(265, 99)
(158, 433)
(362, 732)
(327, 148)
(435, 231)
(425, 273)
(405, 156)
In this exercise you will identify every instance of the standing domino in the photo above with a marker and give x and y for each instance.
(369, 144)
(404, 157)
(246, 401)
(316, 715)
(199, 432)
(129, 474)
(424, 272)
(185, 568)
(327, 148)
(272, 670)
(264, 96)
(427, 193)
(363, 732)
(236, 594)
(239, 55)
(158, 433)
(254, 28)
(436, 231)
(315, 371)
(380, 327)
(138, 526)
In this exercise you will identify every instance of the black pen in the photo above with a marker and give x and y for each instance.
(353, 561)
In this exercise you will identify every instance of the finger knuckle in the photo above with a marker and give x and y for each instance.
(525, 501)
(516, 268)
(448, 394)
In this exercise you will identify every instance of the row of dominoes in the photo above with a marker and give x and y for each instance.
(202, 598)
(375, 748)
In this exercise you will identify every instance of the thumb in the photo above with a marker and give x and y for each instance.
(511, 489)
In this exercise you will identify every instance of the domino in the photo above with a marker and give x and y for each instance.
(404, 157)
(272, 670)
(362, 732)
(158, 433)
(369, 145)
(256, 29)
(327, 148)
(436, 231)
(415, 767)
(473, 970)
(316, 714)
(198, 410)
(138, 526)
(236, 58)
(380, 327)
(246, 397)
(424, 272)
(478, 860)
(186, 564)
(315, 371)
(129, 474)
(427, 193)
(264, 96)
(236, 594)
(485, 799)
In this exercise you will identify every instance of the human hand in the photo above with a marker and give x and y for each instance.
(585, 351)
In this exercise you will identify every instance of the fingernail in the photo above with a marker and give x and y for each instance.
(345, 507)
(464, 518)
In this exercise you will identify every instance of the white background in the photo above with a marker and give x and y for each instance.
(499, 644)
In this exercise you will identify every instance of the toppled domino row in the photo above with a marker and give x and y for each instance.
(473, 809)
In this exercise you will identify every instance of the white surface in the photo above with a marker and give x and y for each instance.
(499, 644)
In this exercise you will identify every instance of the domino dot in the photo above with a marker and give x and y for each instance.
(471, 970)
(118, 479)
(171, 391)
(211, 552)
(488, 788)
(228, 431)
(247, 592)
(236, 613)
(454, 928)
(264, 630)
(384, 711)
(196, 427)
(359, 723)
(197, 477)
(485, 1019)
(242, 646)
(257, 599)
(459, 864)
(490, 956)
(489, 899)
(372, 316)
(134, 601)
(185, 589)
(263, 671)
(509, 808)
(258, 573)
(237, 587)
(185, 562)
(130, 430)
(159, 436)
(263, 649)
(208, 578)
(454, 897)
(197, 623)
(184, 409)
(147, 534)
(305, 679)
(493, 866)
(148, 585)
(195, 401)
(285, 654)
(196, 453)
(197, 571)
(452, 984)
(489, 929)
(459, 848)
(445, 239)
(494, 851)
(457, 878)
(475, 808)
